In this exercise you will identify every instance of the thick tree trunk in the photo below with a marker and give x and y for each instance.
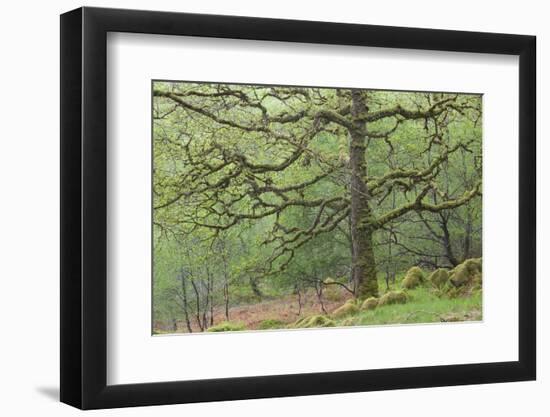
(198, 304)
(364, 265)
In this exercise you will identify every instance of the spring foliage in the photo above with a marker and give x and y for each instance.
(309, 196)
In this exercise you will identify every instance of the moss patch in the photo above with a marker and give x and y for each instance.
(349, 321)
(478, 262)
(227, 326)
(393, 297)
(413, 278)
(272, 324)
(313, 321)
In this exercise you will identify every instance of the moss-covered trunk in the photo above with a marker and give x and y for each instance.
(364, 264)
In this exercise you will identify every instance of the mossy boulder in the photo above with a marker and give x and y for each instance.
(227, 326)
(393, 297)
(413, 278)
(369, 304)
(439, 277)
(272, 324)
(466, 272)
(465, 279)
(347, 309)
(313, 321)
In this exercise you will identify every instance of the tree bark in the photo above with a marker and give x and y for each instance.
(225, 278)
(364, 264)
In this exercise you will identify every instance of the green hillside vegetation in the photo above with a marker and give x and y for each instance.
(428, 303)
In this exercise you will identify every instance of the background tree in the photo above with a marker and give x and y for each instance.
(282, 170)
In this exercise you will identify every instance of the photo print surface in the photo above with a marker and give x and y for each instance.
(289, 207)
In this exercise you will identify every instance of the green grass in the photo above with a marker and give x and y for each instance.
(272, 324)
(227, 326)
(423, 307)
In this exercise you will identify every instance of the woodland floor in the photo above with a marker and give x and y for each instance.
(423, 307)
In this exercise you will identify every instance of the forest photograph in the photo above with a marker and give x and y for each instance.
(287, 207)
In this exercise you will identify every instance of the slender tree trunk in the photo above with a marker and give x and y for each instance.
(206, 291)
(198, 302)
(226, 299)
(210, 294)
(211, 304)
(319, 292)
(390, 273)
(299, 293)
(468, 236)
(225, 282)
(364, 265)
(185, 308)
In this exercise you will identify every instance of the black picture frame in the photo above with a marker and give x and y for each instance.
(84, 207)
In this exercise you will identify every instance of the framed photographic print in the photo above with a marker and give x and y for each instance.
(257, 208)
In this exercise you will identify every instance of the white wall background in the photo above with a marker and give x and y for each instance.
(29, 236)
